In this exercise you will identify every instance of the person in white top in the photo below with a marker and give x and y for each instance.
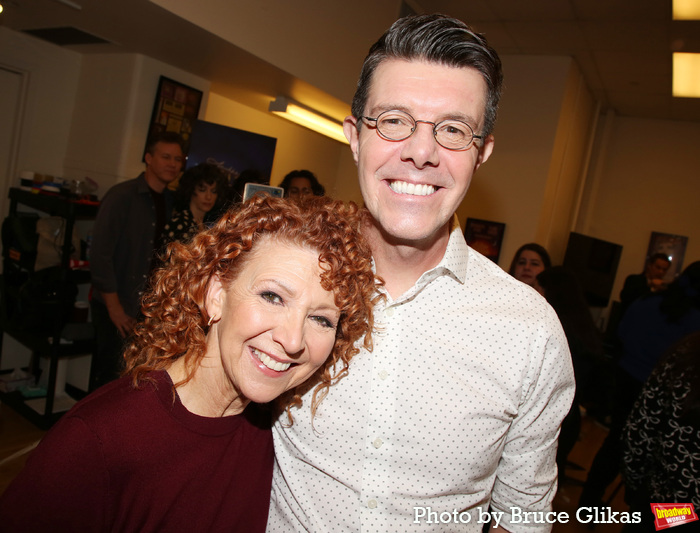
(453, 417)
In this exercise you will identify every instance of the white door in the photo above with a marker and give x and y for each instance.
(11, 98)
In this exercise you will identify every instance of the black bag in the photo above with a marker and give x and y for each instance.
(45, 302)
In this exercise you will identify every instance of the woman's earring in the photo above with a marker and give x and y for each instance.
(211, 321)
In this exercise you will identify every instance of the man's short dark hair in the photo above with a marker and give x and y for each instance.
(168, 137)
(659, 255)
(437, 39)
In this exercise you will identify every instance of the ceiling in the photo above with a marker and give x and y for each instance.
(311, 50)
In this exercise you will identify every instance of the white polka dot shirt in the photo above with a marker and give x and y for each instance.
(456, 410)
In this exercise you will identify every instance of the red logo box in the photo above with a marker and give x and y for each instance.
(672, 514)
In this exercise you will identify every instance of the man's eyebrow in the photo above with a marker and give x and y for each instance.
(381, 108)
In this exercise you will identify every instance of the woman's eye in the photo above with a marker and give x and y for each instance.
(272, 297)
(323, 321)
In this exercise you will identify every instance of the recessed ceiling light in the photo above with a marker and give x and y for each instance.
(686, 75)
(686, 9)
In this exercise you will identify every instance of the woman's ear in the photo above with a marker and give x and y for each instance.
(215, 298)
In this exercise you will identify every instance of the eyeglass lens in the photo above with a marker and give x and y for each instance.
(451, 134)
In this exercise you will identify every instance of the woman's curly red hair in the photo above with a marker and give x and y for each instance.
(175, 317)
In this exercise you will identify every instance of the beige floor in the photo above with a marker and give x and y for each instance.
(16, 435)
(590, 440)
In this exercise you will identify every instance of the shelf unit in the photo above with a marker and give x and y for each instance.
(46, 344)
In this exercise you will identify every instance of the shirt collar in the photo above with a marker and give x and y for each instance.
(452, 264)
(141, 184)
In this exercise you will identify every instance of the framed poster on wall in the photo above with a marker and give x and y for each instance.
(233, 150)
(485, 237)
(175, 109)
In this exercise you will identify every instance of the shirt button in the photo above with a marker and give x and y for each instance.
(372, 504)
(389, 312)
(377, 443)
(383, 374)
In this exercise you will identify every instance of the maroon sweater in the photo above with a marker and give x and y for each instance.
(135, 460)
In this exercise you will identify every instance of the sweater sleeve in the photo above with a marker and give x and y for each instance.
(63, 486)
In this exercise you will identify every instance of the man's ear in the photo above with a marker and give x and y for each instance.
(215, 298)
(148, 158)
(485, 151)
(351, 134)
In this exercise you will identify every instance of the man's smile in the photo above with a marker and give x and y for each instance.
(414, 189)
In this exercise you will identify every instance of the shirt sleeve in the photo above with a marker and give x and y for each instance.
(527, 473)
(109, 225)
(63, 485)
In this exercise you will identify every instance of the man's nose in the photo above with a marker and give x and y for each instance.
(421, 147)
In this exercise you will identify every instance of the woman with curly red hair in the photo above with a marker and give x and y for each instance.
(275, 294)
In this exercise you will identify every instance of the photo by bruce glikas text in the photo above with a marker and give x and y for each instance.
(583, 515)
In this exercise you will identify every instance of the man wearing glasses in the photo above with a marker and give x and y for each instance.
(454, 416)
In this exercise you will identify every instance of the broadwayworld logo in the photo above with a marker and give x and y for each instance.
(672, 514)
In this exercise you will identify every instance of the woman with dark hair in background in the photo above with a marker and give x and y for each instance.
(563, 291)
(201, 195)
(528, 261)
(274, 294)
(300, 183)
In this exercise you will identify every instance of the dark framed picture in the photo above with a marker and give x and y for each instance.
(234, 151)
(175, 109)
(485, 236)
(673, 246)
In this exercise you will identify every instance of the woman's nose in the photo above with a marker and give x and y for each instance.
(289, 333)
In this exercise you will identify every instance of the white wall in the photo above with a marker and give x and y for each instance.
(52, 83)
(645, 179)
(108, 133)
(263, 28)
(510, 186)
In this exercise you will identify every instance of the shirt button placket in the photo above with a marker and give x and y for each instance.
(375, 485)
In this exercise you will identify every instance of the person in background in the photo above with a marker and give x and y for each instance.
(201, 195)
(529, 260)
(458, 406)
(651, 280)
(661, 438)
(300, 183)
(126, 237)
(562, 290)
(274, 294)
(649, 327)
